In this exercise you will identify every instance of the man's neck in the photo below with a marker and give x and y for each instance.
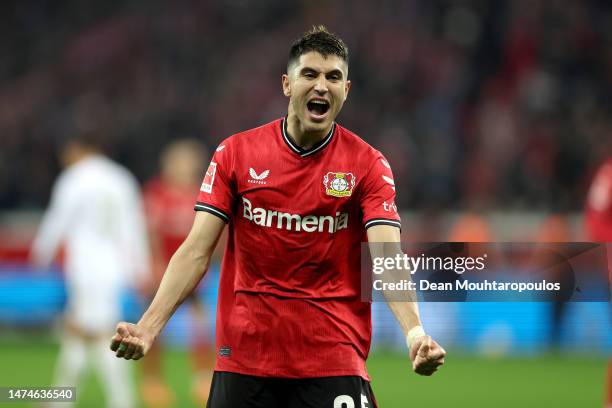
(302, 138)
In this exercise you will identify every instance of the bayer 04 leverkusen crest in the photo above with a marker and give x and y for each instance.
(339, 184)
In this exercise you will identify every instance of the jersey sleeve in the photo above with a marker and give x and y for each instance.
(217, 192)
(378, 195)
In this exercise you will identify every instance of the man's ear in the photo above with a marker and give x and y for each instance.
(347, 88)
(286, 85)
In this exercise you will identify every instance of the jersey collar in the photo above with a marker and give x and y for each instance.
(320, 145)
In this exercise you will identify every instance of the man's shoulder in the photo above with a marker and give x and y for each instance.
(97, 173)
(154, 186)
(118, 171)
(356, 144)
(266, 130)
(102, 170)
(606, 168)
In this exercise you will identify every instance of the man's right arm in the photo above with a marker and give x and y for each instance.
(185, 270)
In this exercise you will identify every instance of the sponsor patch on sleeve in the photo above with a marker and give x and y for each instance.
(209, 178)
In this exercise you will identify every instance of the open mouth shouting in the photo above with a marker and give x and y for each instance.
(318, 109)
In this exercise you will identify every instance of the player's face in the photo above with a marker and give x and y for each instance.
(317, 87)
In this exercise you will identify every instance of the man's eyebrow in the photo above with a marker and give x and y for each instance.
(335, 71)
(308, 69)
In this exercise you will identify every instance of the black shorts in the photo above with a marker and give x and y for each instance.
(231, 390)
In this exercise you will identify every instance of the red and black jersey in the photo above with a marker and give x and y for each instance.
(289, 295)
(598, 210)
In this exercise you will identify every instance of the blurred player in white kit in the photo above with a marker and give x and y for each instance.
(96, 212)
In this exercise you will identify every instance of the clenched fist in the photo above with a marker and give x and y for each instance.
(131, 341)
(426, 355)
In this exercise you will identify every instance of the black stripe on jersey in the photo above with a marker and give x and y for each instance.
(213, 210)
(306, 152)
(382, 221)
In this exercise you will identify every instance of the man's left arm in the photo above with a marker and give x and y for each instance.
(425, 353)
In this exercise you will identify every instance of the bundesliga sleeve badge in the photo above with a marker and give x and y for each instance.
(339, 184)
(209, 178)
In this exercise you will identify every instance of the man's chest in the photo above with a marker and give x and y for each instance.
(309, 186)
(314, 196)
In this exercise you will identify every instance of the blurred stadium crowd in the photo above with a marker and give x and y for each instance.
(477, 105)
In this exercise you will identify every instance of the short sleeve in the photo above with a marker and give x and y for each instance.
(216, 194)
(378, 195)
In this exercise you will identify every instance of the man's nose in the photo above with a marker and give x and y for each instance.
(321, 84)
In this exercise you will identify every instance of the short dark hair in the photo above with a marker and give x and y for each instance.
(320, 40)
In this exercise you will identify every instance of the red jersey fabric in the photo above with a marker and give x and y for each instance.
(169, 214)
(599, 205)
(289, 292)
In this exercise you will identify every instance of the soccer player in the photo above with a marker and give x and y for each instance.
(96, 211)
(299, 194)
(598, 217)
(169, 208)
